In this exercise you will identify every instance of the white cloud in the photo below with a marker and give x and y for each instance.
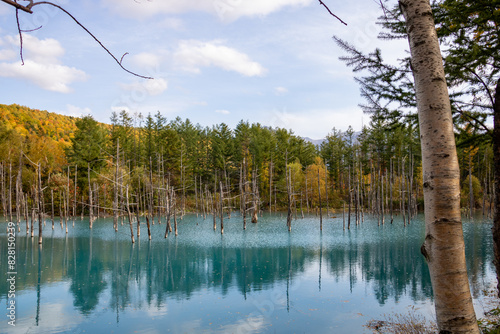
(74, 111)
(147, 59)
(44, 51)
(226, 10)
(150, 87)
(66, 318)
(119, 109)
(254, 323)
(316, 123)
(229, 10)
(191, 55)
(42, 65)
(223, 112)
(280, 91)
(172, 23)
(47, 76)
(7, 53)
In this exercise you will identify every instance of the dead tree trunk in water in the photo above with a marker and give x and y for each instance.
(343, 216)
(169, 210)
(221, 209)
(96, 202)
(319, 204)
(243, 200)
(255, 198)
(52, 206)
(3, 194)
(382, 198)
(137, 216)
(410, 189)
(196, 196)
(19, 190)
(74, 194)
(214, 205)
(129, 215)
(65, 212)
(326, 192)
(10, 191)
(115, 188)
(174, 198)
(91, 205)
(307, 196)
(350, 198)
(40, 205)
(203, 200)
(403, 199)
(149, 226)
(289, 195)
(271, 185)
(228, 193)
(170, 200)
(391, 179)
(33, 201)
(356, 192)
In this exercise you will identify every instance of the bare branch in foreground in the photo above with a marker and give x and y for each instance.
(329, 11)
(32, 4)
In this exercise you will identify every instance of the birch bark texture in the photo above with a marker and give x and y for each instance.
(496, 218)
(443, 247)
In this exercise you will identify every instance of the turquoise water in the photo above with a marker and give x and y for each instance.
(262, 280)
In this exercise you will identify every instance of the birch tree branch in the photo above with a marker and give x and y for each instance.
(18, 6)
(32, 4)
(329, 11)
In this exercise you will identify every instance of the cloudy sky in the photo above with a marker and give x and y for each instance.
(213, 61)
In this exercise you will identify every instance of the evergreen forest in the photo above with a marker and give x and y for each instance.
(135, 166)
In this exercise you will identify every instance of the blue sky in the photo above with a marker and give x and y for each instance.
(267, 61)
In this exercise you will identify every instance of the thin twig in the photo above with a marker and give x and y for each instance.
(329, 11)
(481, 123)
(34, 29)
(485, 86)
(121, 59)
(383, 8)
(95, 38)
(20, 37)
(28, 9)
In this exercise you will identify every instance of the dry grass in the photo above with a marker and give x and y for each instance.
(414, 323)
(490, 324)
(403, 323)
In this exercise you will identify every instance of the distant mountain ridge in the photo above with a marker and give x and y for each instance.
(318, 142)
(315, 142)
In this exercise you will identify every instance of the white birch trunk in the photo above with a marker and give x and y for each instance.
(444, 244)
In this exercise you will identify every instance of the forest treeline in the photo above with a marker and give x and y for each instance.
(149, 166)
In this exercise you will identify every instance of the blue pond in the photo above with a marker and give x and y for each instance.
(261, 280)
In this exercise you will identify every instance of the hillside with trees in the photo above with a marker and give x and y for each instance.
(151, 166)
(33, 122)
